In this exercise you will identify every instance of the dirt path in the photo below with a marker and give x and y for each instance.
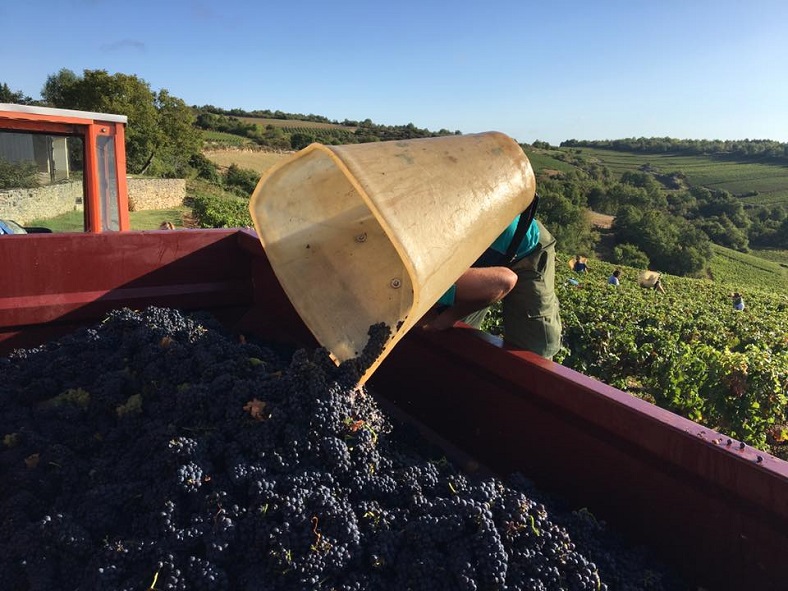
(600, 220)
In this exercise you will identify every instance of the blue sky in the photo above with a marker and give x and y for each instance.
(551, 70)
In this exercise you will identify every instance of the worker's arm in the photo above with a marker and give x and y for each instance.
(477, 288)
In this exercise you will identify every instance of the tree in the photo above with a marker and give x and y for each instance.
(722, 231)
(630, 255)
(301, 140)
(567, 221)
(160, 137)
(180, 138)
(671, 243)
(18, 97)
(60, 89)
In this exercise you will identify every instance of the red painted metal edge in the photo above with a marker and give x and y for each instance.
(68, 279)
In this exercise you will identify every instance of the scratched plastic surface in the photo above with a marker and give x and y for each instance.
(368, 233)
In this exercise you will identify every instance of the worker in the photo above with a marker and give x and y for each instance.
(518, 269)
(738, 301)
(579, 265)
(614, 278)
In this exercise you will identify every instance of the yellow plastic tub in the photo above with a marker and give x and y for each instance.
(377, 232)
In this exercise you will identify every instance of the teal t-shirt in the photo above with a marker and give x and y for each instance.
(501, 244)
(530, 240)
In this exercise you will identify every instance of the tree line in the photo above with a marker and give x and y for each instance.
(758, 150)
(213, 118)
(658, 222)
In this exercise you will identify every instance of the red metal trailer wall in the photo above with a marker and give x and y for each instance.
(718, 512)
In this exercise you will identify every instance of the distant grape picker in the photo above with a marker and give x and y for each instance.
(652, 280)
(738, 301)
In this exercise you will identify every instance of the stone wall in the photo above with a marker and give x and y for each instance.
(26, 205)
(145, 194)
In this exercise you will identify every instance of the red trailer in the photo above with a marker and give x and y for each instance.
(713, 507)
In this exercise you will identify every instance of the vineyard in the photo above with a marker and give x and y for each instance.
(741, 269)
(686, 350)
(222, 138)
(768, 183)
(291, 125)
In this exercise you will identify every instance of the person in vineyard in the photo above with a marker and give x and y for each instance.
(518, 269)
(613, 279)
(579, 265)
(738, 301)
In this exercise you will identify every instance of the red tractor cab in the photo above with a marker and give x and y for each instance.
(55, 162)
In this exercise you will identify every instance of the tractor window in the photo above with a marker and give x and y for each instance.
(41, 186)
(108, 183)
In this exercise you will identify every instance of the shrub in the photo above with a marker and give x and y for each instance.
(631, 256)
(14, 175)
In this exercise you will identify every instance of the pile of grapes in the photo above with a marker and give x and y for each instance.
(154, 451)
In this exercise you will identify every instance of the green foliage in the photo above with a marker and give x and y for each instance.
(18, 97)
(179, 139)
(743, 270)
(562, 210)
(772, 254)
(301, 140)
(738, 393)
(204, 168)
(686, 350)
(279, 130)
(631, 256)
(241, 181)
(543, 161)
(221, 212)
(761, 182)
(224, 124)
(16, 175)
(160, 135)
(672, 244)
(221, 139)
(737, 149)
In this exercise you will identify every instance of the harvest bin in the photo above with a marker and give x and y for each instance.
(377, 232)
(717, 511)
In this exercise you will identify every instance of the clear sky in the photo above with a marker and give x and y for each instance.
(550, 70)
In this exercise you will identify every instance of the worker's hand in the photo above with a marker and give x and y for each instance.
(427, 322)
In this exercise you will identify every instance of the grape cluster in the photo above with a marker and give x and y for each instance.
(154, 450)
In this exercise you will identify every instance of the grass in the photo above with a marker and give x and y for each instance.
(256, 160)
(152, 219)
(73, 221)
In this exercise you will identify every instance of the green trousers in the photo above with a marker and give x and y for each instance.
(531, 317)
